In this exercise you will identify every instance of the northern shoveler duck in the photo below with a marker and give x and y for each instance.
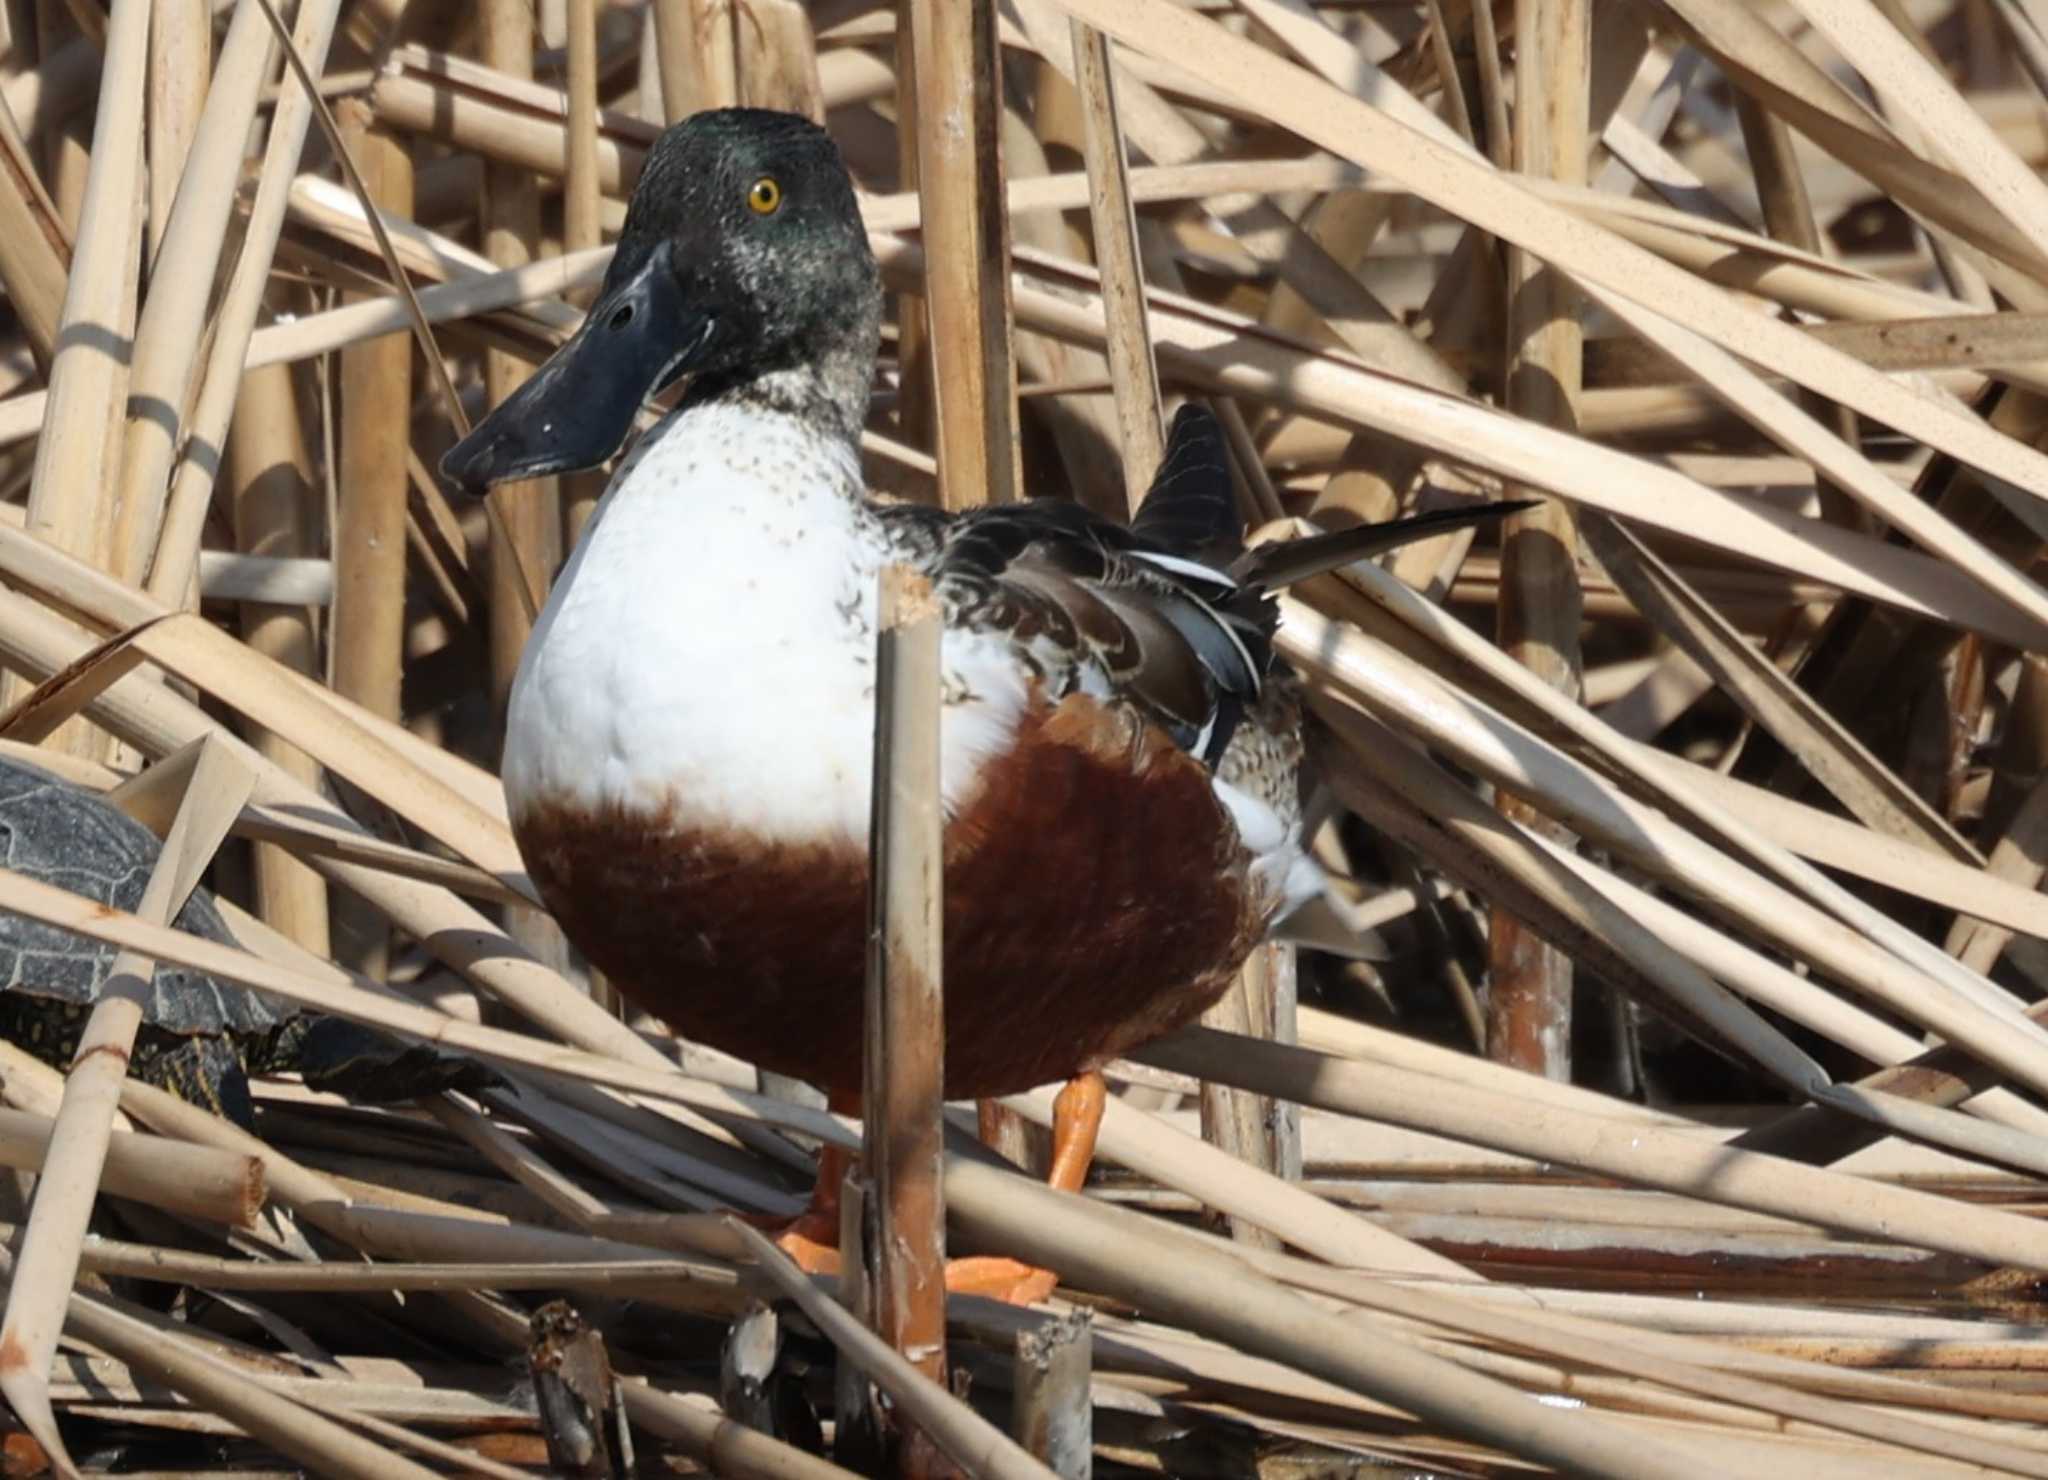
(688, 751)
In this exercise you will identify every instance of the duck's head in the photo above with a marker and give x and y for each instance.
(743, 254)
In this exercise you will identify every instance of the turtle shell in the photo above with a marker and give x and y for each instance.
(64, 835)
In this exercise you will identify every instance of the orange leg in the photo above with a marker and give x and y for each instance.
(812, 1239)
(1076, 1121)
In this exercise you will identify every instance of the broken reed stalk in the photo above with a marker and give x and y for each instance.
(978, 1446)
(214, 790)
(1052, 1410)
(220, 1187)
(904, 1063)
(693, 1422)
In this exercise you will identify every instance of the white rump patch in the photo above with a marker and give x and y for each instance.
(1282, 871)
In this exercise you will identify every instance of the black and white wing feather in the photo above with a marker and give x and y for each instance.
(1165, 615)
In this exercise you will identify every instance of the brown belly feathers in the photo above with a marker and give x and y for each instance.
(1096, 897)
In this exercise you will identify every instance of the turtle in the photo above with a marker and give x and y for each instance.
(201, 1038)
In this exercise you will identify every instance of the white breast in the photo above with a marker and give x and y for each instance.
(709, 647)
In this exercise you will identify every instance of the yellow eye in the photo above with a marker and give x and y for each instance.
(765, 196)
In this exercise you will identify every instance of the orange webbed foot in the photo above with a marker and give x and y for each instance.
(1002, 1279)
(812, 1242)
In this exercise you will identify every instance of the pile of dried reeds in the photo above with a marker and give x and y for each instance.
(1751, 293)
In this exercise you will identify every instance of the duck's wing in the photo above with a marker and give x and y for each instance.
(1144, 615)
(1127, 615)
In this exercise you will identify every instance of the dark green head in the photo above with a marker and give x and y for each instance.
(743, 254)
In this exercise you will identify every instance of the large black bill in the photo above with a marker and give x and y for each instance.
(576, 410)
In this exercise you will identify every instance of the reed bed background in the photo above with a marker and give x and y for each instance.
(1694, 1123)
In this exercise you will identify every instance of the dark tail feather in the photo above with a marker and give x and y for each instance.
(1284, 562)
(1190, 505)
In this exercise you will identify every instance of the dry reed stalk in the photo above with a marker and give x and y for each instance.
(1721, 807)
(1901, 947)
(526, 529)
(903, 1074)
(1548, 887)
(1147, 1145)
(376, 439)
(180, 64)
(694, 1422)
(1175, 1278)
(1966, 1011)
(217, 1186)
(186, 247)
(671, 1182)
(177, 1266)
(1829, 752)
(714, 61)
(1133, 376)
(1648, 1157)
(966, 286)
(213, 791)
(581, 191)
(292, 1429)
(1224, 352)
(1052, 1411)
(1251, 1128)
(176, 550)
(675, 54)
(559, 1192)
(1237, 1123)
(88, 373)
(970, 1440)
(1529, 1007)
(501, 134)
(1624, 279)
(41, 901)
(270, 481)
(441, 1234)
(33, 261)
(1716, 821)
(65, 146)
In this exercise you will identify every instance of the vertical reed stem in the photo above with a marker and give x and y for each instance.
(1529, 1011)
(905, 1044)
(276, 514)
(967, 250)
